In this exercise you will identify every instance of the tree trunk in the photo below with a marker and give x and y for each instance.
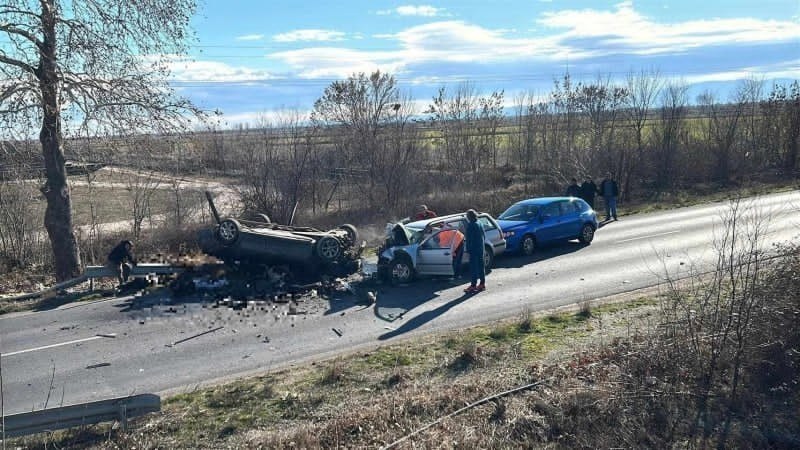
(58, 215)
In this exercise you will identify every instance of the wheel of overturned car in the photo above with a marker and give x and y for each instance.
(228, 231)
(328, 248)
(587, 234)
(488, 259)
(528, 245)
(400, 271)
(352, 233)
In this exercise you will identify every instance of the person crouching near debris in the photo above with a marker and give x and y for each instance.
(475, 239)
(121, 261)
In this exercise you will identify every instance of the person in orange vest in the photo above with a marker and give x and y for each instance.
(453, 239)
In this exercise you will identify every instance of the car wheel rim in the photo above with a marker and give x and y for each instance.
(227, 231)
(329, 248)
(588, 234)
(487, 260)
(401, 272)
(527, 245)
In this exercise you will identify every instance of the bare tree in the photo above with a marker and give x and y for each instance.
(643, 89)
(361, 105)
(454, 115)
(400, 157)
(721, 124)
(92, 62)
(714, 311)
(490, 118)
(783, 116)
(751, 91)
(601, 103)
(668, 135)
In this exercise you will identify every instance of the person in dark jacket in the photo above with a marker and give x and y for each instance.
(588, 191)
(610, 191)
(121, 260)
(573, 190)
(475, 238)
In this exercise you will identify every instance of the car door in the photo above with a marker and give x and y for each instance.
(570, 219)
(433, 257)
(549, 222)
(494, 235)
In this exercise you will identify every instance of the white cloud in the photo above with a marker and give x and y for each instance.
(326, 62)
(414, 10)
(309, 35)
(186, 70)
(250, 37)
(566, 34)
(626, 29)
(788, 69)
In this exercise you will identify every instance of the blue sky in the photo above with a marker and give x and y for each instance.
(253, 58)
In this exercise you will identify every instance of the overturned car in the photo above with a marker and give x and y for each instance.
(304, 251)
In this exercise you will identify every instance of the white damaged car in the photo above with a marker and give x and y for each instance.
(426, 247)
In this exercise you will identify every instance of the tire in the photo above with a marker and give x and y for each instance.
(488, 259)
(263, 218)
(528, 245)
(352, 232)
(228, 231)
(587, 234)
(400, 271)
(328, 248)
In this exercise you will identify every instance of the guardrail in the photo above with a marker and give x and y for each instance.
(116, 409)
(92, 272)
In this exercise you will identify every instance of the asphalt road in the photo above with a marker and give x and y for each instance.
(122, 346)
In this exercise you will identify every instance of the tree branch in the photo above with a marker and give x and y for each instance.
(11, 29)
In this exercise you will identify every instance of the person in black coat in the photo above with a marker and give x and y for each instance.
(121, 260)
(588, 191)
(573, 190)
(475, 238)
(610, 191)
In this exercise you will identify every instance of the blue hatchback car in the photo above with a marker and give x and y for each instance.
(530, 223)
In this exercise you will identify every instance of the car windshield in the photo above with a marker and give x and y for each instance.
(520, 212)
(417, 235)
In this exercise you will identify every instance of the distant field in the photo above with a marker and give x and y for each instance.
(113, 204)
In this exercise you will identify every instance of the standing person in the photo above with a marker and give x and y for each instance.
(422, 212)
(573, 190)
(474, 246)
(609, 190)
(121, 260)
(588, 191)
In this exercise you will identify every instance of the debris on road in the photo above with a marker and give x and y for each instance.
(194, 336)
(337, 331)
(95, 366)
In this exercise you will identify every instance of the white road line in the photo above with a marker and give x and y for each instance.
(648, 236)
(99, 336)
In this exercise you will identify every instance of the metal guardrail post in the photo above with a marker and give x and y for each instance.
(115, 409)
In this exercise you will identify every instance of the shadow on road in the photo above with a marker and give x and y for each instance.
(513, 261)
(424, 318)
(395, 301)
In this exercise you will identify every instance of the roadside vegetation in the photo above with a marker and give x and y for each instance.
(709, 361)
